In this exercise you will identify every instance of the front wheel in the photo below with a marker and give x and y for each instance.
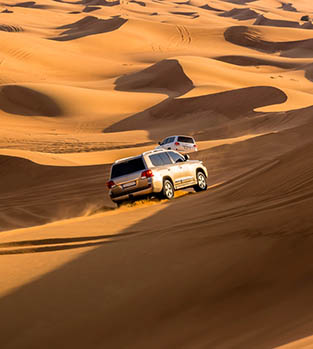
(168, 190)
(201, 182)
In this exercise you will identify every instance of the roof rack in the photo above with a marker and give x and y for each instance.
(136, 156)
(129, 157)
(152, 151)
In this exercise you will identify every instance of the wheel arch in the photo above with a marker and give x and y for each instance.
(160, 187)
(169, 178)
(164, 193)
(199, 169)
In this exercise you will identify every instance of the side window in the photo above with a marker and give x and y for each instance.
(171, 139)
(165, 158)
(160, 159)
(176, 157)
(156, 160)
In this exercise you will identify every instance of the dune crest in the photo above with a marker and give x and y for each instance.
(262, 20)
(248, 37)
(220, 107)
(165, 76)
(240, 14)
(288, 6)
(89, 26)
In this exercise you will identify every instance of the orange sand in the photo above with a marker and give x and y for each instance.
(83, 83)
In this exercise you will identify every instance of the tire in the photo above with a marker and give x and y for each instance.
(201, 182)
(167, 190)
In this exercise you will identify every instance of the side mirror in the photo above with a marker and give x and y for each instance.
(187, 157)
(159, 143)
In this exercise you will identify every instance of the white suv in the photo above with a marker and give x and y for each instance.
(183, 144)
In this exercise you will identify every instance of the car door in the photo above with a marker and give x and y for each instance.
(182, 175)
(171, 143)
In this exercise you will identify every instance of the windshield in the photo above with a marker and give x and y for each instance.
(127, 167)
(176, 157)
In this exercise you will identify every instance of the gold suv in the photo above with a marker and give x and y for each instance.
(155, 172)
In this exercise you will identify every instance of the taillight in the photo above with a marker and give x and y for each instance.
(147, 174)
(110, 184)
(195, 145)
(177, 143)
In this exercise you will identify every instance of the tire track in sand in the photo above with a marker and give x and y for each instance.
(184, 34)
(11, 28)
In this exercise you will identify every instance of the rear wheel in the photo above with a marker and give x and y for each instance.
(168, 189)
(201, 182)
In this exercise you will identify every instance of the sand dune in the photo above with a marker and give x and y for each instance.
(25, 101)
(240, 14)
(89, 26)
(84, 83)
(207, 110)
(166, 76)
(288, 7)
(245, 36)
(256, 61)
(247, 273)
(33, 194)
(28, 4)
(210, 8)
(262, 20)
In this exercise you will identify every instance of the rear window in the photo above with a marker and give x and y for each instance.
(127, 167)
(185, 139)
(160, 159)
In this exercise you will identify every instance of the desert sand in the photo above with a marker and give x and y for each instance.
(83, 83)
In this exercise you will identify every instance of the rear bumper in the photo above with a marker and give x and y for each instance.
(186, 151)
(140, 192)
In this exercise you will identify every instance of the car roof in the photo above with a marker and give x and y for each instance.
(128, 158)
(153, 151)
(148, 152)
(179, 136)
